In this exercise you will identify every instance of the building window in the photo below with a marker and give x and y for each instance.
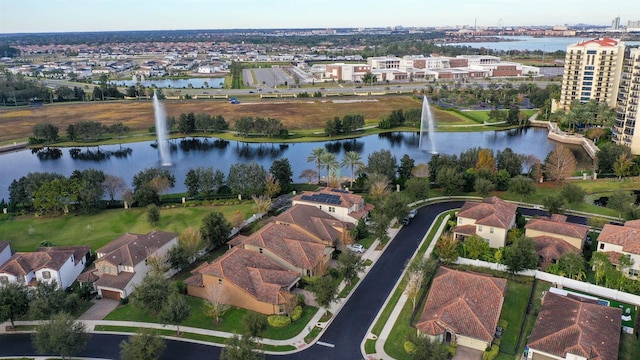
(46, 275)
(479, 228)
(4, 279)
(601, 246)
(490, 230)
(219, 281)
(106, 269)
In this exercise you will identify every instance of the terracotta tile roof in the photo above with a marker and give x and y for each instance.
(614, 256)
(625, 236)
(255, 273)
(465, 229)
(22, 263)
(131, 249)
(601, 42)
(315, 221)
(568, 325)
(237, 240)
(289, 244)
(633, 224)
(491, 211)
(364, 211)
(119, 281)
(557, 225)
(552, 248)
(88, 276)
(467, 303)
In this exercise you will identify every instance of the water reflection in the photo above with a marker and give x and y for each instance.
(47, 153)
(98, 154)
(202, 144)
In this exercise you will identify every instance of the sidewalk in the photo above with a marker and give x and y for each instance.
(297, 341)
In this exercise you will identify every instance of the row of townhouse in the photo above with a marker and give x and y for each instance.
(260, 270)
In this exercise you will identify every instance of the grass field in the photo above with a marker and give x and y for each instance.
(96, 230)
(513, 311)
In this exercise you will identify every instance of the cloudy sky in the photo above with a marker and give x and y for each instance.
(105, 15)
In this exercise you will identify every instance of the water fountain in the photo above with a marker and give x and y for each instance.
(161, 131)
(427, 124)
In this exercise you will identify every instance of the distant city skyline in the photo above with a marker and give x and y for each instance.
(117, 15)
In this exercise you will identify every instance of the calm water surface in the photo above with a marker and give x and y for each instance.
(207, 152)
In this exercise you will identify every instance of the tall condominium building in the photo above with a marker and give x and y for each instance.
(592, 71)
(628, 109)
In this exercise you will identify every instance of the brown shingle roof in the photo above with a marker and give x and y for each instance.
(558, 226)
(626, 236)
(22, 263)
(467, 303)
(491, 211)
(119, 281)
(315, 221)
(131, 249)
(79, 252)
(251, 271)
(568, 325)
(288, 243)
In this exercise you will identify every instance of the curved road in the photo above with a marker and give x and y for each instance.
(345, 333)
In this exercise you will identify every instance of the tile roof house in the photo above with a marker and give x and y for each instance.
(249, 280)
(341, 204)
(122, 263)
(554, 237)
(61, 264)
(463, 307)
(573, 327)
(489, 219)
(619, 241)
(317, 223)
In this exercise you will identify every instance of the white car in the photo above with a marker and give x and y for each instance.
(357, 248)
(413, 213)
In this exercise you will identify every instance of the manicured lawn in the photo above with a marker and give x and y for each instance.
(347, 289)
(394, 346)
(26, 233)
(513, 311)
(629, 347)
(539, 287)
(231, 321)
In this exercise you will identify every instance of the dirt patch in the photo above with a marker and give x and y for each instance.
(138, 115)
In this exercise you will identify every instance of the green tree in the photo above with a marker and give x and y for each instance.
(397, 205)
(247, 179)
(240, 348)
(45, 132)
(192, 183)
(353, 160)
(48, 299)
(254, 324)
(572, 265)
(608, 155)
(281, 170)
(573, 194)
(447, 249)
(483, 187)
(144, 345)
(61, 335)
(14, 302)
(621, 201)
(553, 203)
(90, 189)
(349, 265)
(215, 229)
(55, 197)
(417, 188)
(622, 166)
(382, 162)
(316, 157)
(601, 264)
(175, 310)
(523, 186)
(509, 161)
(450, 179)
(325, 291)
(331, 164)
(521, 255)
(151, 293)
(178, 257)
(427, 349)
(406, 166)
(153, 214)
(149, 183)
(475, 247)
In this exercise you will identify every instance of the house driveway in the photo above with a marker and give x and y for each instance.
(465, 353)
(100, 309)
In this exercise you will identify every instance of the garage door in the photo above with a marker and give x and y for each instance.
(108, 294)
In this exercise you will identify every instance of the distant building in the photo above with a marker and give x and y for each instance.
(628, 108)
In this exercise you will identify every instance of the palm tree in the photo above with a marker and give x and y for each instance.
(330, 161)
(352, 159)
(316, 156)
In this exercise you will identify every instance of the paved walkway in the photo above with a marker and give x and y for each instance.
(100, 309)
(393, 317)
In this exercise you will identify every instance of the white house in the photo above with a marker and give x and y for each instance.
(616, 241)
(341, 204)
(122, 263)
(490, 219)
(60, 264)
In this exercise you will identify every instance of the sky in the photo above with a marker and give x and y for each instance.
(115, 15)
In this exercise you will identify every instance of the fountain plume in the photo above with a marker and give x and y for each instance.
(161, 131)
(427, 125)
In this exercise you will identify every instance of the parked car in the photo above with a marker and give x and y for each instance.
(413, 213)
(406, 221)
(498, 332)
(357, 248)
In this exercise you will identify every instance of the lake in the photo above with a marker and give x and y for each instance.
(190, 153)
(198, 83)
(531, 43)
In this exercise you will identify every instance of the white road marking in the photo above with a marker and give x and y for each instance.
(325, 344)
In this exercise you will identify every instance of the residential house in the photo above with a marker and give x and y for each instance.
(61, 264)
(341, 204)
(463, 307)
(576, 328)
(248, 279)
(316, 223)
(490, 219)
(554, 237)
(5, 251)
(616, 241)
(123, 263)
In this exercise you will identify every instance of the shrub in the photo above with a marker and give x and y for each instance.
(296, 313)
(453, 346)
(503, 324)
(181, 286)
(492, 353)
(278, 321)
(409, 347)
(124, 301)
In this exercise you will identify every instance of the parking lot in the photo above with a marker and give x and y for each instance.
(266, 77)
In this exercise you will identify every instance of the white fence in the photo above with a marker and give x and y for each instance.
(561, 282)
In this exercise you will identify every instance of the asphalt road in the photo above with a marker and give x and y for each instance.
(345, 333)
